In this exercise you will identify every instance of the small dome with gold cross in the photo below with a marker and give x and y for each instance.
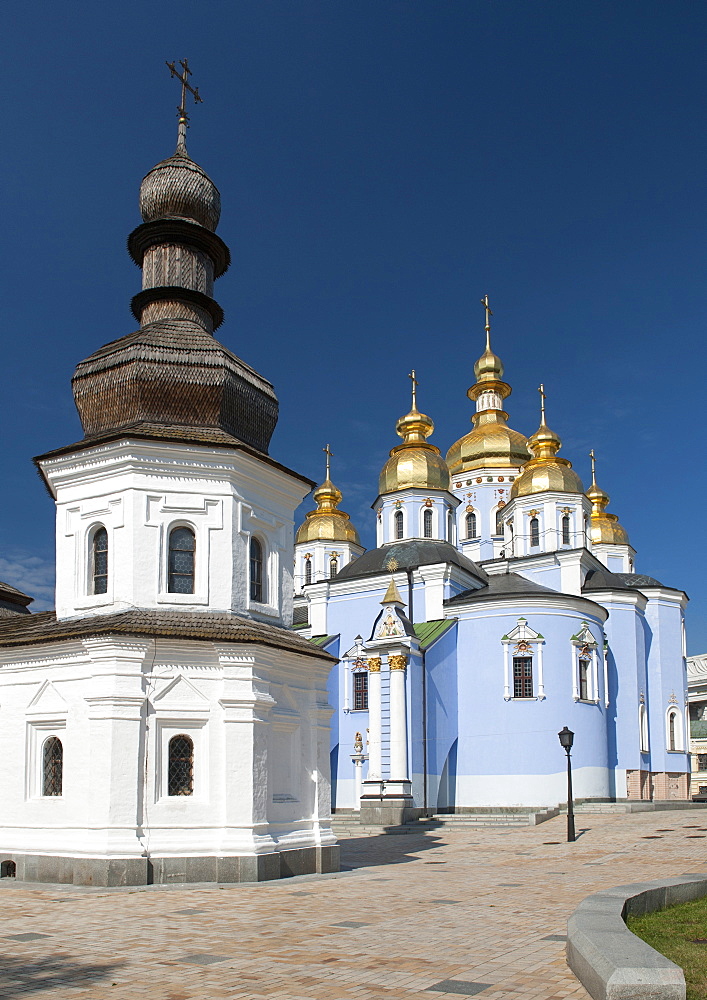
(415, 462)
(327, 522)
(546, 471)
(603, 527)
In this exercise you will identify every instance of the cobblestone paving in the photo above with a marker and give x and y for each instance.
(475, 912)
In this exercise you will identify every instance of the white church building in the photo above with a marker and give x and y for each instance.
(165, 723)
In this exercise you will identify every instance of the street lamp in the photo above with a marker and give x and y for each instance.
(566, 737)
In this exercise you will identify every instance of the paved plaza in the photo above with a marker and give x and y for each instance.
(475, 912)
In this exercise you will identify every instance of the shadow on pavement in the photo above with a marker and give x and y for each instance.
(385, 849)
(21, 977)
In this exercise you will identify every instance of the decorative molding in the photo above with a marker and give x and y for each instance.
(398, 662)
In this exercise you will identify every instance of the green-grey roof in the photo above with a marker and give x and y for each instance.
(408, 554)
(429, 632)
(322, 640)
(503, 585)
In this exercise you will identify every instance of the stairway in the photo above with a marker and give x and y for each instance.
(344, 823)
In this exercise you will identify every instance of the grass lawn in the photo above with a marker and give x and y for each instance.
(679, 933)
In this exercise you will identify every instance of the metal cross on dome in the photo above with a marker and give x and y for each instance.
(329, 456)
(182, 108)
(415, 384)
(489, 314)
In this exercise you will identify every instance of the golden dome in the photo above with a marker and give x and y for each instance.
(603, 527)
(327, 523)
(545, 471)
(415, 462)
(492, 444)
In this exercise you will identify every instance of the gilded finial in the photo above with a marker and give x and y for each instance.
(182, 108)
(489, 314)
(415, 384)
(329, 456)
(594, 478)
(543, 397)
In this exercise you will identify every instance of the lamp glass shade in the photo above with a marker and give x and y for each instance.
(566, 737)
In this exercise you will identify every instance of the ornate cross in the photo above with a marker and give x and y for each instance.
(182, 109)
(415, 384)
(489, 314)
(543, 397)
(594, 478)
(329, 456)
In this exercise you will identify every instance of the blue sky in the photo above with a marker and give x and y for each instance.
(383, 165)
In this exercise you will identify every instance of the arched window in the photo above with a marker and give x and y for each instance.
(674, 730)
(180, 767)
(333, 566)
(257, 579)
(566, 529)
(499, 521)
(398, 524)
(99, 561)
(52, 766)
(471, 525)
(534, 531)
(8, 869)
(182, 544)
(427, 523)
(307, 571)
(450, 526)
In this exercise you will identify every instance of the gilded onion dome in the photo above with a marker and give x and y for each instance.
(415, 462)
(492, 444)
(326, 522)
(546, 471)
(603, 527)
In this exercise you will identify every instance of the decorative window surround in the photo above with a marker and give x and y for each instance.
(523, 638)
(674, 742)
(39, 730)
(584, 647)
(202, 516)
(81, 523)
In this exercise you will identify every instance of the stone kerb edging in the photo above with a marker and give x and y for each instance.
(610, 961)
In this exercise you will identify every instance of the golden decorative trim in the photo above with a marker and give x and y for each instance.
(374, 664)
(397, 662)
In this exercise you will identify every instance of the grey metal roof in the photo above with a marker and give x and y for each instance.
(602, 579)
(25, 630)
(639, 580)
(503, 585)
(408, 554)
(12, 601)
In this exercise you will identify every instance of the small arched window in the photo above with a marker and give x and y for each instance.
(672, 745)
(566, 529)
(499, 521)
(534, 531)
(471, 525)
(307, 571)
(52, 766)
(182, 545)
(398, 524)
(450, 526)
(180, 766)
(333, 566)
(99, 561)
(427, 523)
(257, 579)
(643, 728)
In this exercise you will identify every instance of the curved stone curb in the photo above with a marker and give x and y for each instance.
(611, 962)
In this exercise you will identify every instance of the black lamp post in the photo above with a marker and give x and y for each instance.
(566, 741)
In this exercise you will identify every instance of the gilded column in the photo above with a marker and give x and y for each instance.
(398, 719)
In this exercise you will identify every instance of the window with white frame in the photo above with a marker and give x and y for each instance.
(450, 526)
(308, 570)
(643, 728)
(534, 532)
(180, 569)
(471, 525)
(257, 571)
(52, 766)
(427, 523)
(565, 529)
(498, 520)
(585, 665)
(523, 663)
(180, 766)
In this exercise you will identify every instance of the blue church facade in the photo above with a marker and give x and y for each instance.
(501, 604)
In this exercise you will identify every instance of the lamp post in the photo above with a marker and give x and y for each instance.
(566, 740)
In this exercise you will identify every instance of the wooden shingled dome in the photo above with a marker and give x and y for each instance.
(171, 377)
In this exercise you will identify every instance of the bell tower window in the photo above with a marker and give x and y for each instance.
(499, 521)
(182, 545)
(471, 525)
(427, 523)
(399, 526)
(307, 571)
(99, 561)
(333, 567)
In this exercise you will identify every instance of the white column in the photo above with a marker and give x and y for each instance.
(605, 662)
(398, 719)
(541, 676)
(575, 671)
(595, 676)
(358, 780)
(374, 718)
(506, 674)
(347, 681)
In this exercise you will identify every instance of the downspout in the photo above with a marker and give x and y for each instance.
(424, 699)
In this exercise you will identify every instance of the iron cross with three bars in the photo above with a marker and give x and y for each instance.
(182, 109)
